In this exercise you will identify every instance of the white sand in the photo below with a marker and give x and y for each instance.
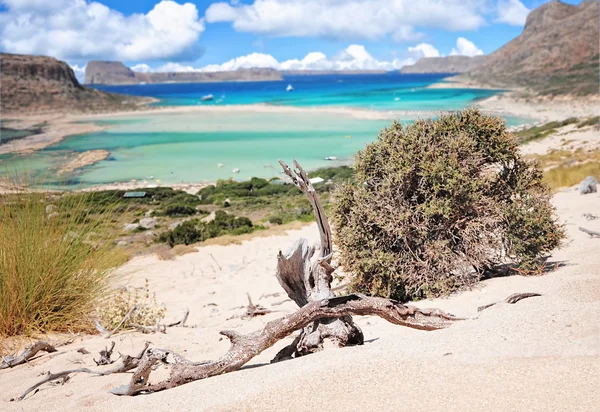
(541, 354)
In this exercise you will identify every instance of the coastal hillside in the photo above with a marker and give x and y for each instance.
(448, 64)
(40, 83)
(557, 53)
(116, 73)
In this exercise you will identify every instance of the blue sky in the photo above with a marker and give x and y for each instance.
(228, 34)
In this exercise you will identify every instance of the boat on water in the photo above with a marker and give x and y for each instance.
(289, 88)
(207, 98)
(236, 170)
(220, 165)
(331, 158)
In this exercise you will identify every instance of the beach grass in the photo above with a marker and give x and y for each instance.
(54, 263)
(540, 132)
(564, 168)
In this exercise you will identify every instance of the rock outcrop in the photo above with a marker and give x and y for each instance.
(557, 52)
(116, 73)
(40, 83)
(449, 64)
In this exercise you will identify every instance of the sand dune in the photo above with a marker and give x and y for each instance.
(541, 354)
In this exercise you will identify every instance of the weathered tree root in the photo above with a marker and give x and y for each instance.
(245, 347)
(512, 299)
(29, 352)
(105, 355)
(253, 310)
(590, 232)
(128, 363)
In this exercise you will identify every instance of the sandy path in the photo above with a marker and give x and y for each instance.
(542, 354)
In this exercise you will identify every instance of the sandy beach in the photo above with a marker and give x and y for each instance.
(541, 354)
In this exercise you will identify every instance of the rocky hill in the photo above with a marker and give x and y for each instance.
(39, 83)
(449, 64)
(557, 53)
(116, 73)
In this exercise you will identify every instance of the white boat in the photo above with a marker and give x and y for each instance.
(207, 98)
(396, 99)
(220, 165)
(331, 158)
(236, 170)
(289, 88)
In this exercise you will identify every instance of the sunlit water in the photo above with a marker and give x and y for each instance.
(188, 147)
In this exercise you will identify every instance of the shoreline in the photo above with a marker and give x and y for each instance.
(60, 126)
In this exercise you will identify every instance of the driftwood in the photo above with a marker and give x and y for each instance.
(29, 352)
(306, 276)
(181, 323)
(245, 347)
(253, 310)
(105, 355)
(512, 299)
(590, 232)
(128, 363)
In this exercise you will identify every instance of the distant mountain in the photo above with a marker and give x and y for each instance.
(322, 72)
(557, 53)
(116, 73)
(449, 64)
(40, 83)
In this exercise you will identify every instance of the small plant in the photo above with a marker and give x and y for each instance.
(54, 264)
(179, 210)
(112, 311)
(438, 203)
(276, 220)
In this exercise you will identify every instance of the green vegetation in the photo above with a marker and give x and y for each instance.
(435, 205)
(540, 132)
(193, 231)
(565, 168)
(54, 265)
(592, 121)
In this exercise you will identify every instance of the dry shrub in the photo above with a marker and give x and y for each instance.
(54, 263)
(113, 310)
(163, 252)
(180, 250)
(436, 204)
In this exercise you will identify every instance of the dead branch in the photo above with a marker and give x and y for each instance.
(29, 352)
(157, 328)
(181, 323)
(590, 232)
(53, 376)
(590, 216)
(245, 347)
(512, 299)
(253, 310)
(105, 355)
(105, 333)
(128, 363)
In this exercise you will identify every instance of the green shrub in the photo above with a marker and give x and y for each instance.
(193, 231)
(436, 204)
(54, 266)
(179, 210)
(276, 220)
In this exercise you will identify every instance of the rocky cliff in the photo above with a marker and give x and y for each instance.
(39, 83)
(449, 64)
(557, 52)
(116, 73)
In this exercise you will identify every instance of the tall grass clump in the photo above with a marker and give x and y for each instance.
(437, 204)
(55, 261)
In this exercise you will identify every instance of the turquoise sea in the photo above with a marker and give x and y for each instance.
(190, 146)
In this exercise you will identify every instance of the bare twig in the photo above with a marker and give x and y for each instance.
(54, 376)
(512, 299)
(590, 216)
(253, 310)
(105, 333)
(128, 363)
(105, 355)
(590, 232)
(29, 352)
(180, 323)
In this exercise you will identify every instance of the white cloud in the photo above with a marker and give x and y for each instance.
(79, 72)
(512, 12)
(79, 29)
(424, 50)
(141, 68)
(465, 47)
(350, 19)
(354, 57)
